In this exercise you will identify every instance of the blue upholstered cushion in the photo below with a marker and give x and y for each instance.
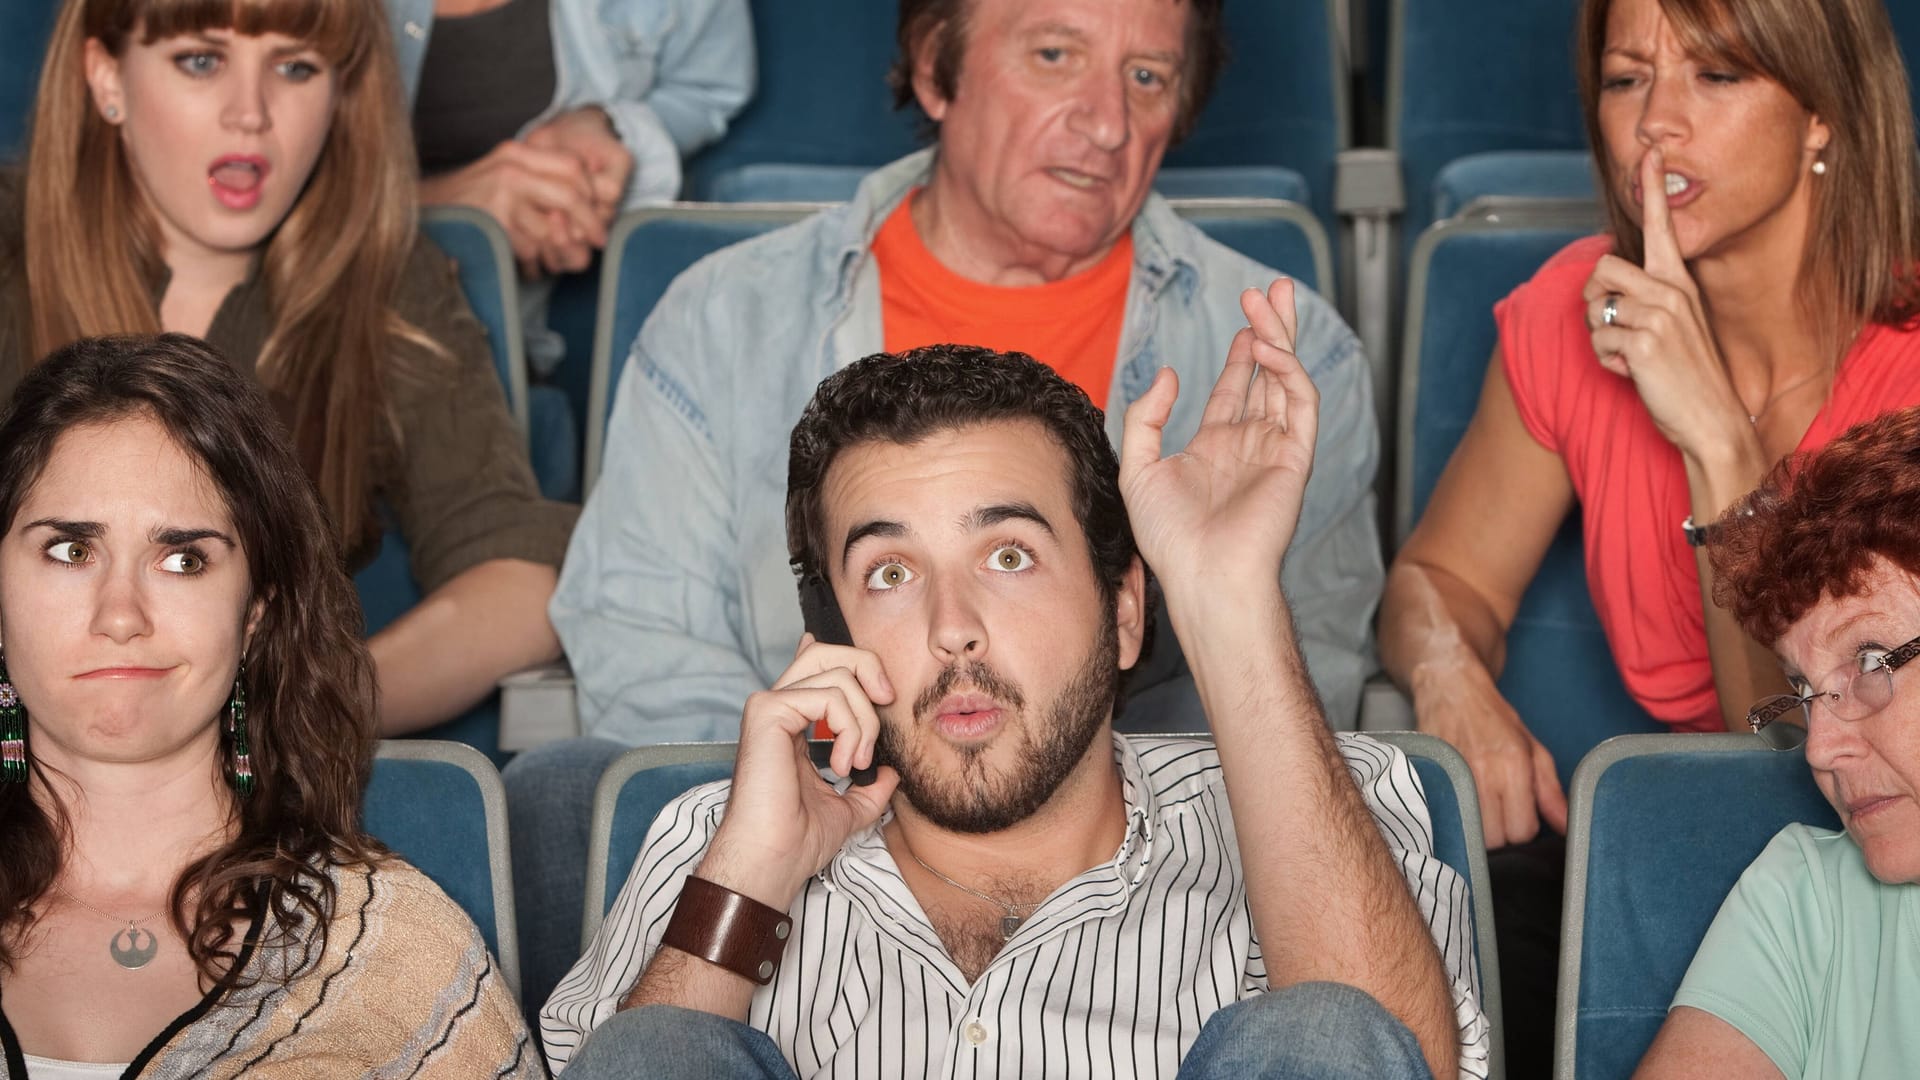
(771, 181)
(1480, 75)
(1670, 833)
(645, 794)
(24, 25)
(432, 814)
(1532, 174)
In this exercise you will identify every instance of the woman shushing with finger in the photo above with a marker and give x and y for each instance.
(1756, 297)
(186, 731)
(1811, 968)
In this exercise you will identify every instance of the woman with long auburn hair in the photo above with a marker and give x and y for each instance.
(242, 171)
(186, 733)
(1755, 296)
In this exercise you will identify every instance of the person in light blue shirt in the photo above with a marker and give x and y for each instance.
(1811, 969)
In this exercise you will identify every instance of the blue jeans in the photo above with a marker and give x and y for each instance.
(1313, 1031)
(549, 813)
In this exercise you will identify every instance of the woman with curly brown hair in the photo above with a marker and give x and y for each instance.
(186, 731)
(1810, 969)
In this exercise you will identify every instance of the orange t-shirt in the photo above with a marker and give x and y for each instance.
(1071, 325)
(1632, 484)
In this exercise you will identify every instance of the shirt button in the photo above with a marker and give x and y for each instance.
(415, 30)
(976, 1032)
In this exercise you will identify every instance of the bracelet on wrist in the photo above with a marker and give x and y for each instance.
(729, 930)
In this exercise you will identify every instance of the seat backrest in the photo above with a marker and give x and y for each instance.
(641, 782)
(773, 181)
(631, 793)
(441, 806)
(650, 247)
(1467, 76)
(24, 26)
(1906, 29)
(479, 249)
(1659, 829)
(1453, 806)
(1557, 654)
(1283, 98)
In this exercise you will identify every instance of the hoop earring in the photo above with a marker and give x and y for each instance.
(240, 775)
(13, 731)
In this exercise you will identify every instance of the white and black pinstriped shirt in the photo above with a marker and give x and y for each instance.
(1112, 976)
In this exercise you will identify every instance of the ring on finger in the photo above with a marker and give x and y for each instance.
(1610, 312)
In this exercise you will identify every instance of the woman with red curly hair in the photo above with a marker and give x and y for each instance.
(1810, 968)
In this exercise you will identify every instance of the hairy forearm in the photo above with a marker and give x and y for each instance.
(451, 650)
(1327, 900)
(678, 978)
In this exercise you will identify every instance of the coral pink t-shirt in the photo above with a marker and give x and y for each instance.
(1632, 484)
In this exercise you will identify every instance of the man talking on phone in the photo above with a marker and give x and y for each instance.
(1019, 892)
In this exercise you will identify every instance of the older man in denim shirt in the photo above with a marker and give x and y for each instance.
(676, 601)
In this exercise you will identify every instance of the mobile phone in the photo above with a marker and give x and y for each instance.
(820, 614)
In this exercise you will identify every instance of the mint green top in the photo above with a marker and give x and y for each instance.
(1816, 961)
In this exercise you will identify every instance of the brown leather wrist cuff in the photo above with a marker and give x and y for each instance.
(722, 927)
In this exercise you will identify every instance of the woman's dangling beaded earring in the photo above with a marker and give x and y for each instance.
(241, 775)
(13, 731)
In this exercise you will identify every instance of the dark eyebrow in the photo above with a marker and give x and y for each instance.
(81, 530)
(871, 528)
(174, 537)
(986, 517)
(165, 536)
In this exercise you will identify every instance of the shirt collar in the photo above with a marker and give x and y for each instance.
(1163, 250)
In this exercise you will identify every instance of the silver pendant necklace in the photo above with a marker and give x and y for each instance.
(140, 944)
(1011, 914)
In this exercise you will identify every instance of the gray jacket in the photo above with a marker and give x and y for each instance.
(676, 600)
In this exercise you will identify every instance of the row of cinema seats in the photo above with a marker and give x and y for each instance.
(1660, 828)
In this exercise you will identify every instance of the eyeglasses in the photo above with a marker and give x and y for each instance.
(1866, 693)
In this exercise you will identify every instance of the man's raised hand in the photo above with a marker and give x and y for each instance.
(1227, 504)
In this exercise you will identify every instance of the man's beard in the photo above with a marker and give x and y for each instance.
(981, 799)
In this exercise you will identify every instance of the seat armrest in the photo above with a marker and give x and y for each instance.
(536, 706)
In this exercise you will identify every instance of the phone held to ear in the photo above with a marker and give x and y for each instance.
(820, 614)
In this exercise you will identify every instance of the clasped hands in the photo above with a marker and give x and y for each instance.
(1215, 516)
(555, 192)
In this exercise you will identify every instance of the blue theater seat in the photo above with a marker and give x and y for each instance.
(1559, 675)
(24, 26)
(771, 181)
(641, 782)
(648, 248)
(441, 806)
(1476, 76)
(1659, 829)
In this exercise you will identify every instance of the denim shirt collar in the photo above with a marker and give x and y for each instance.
(1163, 252)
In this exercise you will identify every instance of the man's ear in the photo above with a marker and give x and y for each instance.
(926, 89)
(103, 81)
(1130, 612)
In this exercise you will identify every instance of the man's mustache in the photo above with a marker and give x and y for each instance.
(973, 675)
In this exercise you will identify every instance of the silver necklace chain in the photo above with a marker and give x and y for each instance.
(1774, 398)
(1012, 915)
(141, 944)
